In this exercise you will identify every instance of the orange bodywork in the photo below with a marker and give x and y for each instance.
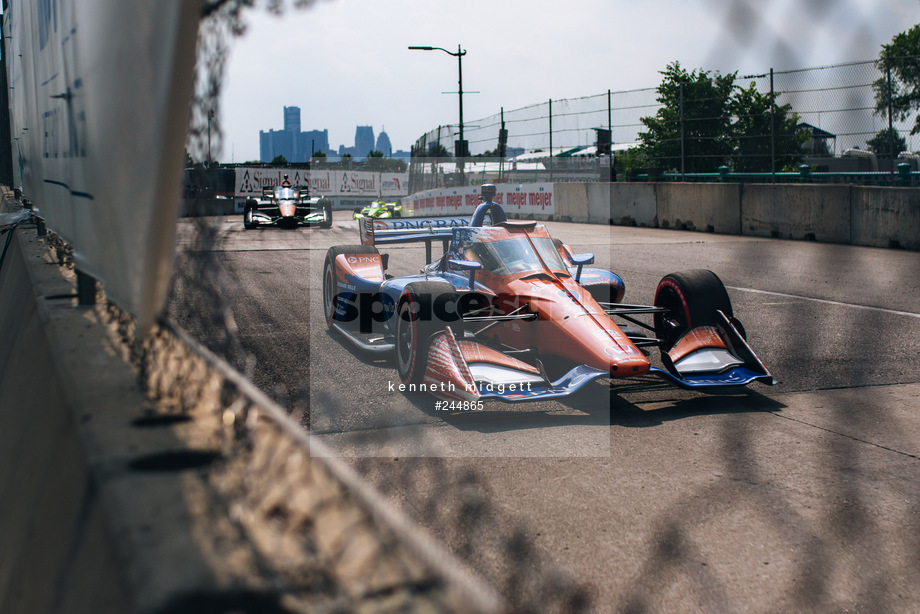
(570, 324)
(696, 339)
(365, 266)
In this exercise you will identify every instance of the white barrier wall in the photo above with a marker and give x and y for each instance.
(99, 103)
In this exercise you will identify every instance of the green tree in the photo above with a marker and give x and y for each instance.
(375, 161)
(279, 160)
(902, 58)
(630, 163)
(692, 130)
(753, 145)
(881, 143)
(437, 150)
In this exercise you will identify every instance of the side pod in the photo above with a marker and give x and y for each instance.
(470, 371)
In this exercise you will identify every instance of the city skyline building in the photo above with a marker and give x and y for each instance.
(383, 144)
(292, 119)
(297, 145)
(364, 141)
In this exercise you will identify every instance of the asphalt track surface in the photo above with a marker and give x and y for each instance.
(804, 496)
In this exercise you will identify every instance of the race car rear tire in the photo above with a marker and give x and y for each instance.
(330, 288)
(326, 205)
(422, 311)
(692, 299)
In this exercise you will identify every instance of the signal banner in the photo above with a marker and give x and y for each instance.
(333, 183)
(524, 199)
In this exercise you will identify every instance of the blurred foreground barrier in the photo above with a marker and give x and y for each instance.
(200, 495)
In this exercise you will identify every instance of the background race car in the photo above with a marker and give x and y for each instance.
(379, 209)
(287, 206)
(508, 313)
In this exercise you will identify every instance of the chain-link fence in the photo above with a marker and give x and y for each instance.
(832, 123)
(480, 524)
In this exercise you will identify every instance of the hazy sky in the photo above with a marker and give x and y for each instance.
(346, 62)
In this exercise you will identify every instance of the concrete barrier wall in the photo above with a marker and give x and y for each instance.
(59, 552)
(571, 202)
(203, 497)
(858, 215)
(630, 203)
(885, 217)
(816, 212)
(713, 207)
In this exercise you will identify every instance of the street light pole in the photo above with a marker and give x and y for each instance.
(210, 116)
(460, 148)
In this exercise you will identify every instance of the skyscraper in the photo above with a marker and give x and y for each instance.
(364, 141)
(383, 144)
(292, 119)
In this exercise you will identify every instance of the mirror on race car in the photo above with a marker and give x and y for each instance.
(580, 260)
(467, 265)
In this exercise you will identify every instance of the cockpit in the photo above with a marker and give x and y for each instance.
(285, 193)
(513, 255)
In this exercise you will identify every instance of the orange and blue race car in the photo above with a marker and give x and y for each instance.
(508, 313)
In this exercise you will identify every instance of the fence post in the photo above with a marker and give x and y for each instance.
(682, 159)
(551, 140)
(890, 123)
(772, 130)
(610, 172)
(502, 146)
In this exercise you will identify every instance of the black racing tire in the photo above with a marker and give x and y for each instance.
(416, 321)
(247, 215)
(326, 206)
(330, 276)
(691, 299)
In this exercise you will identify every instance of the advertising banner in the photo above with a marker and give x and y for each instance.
(99, 103)
(362, 185)
(524, 199)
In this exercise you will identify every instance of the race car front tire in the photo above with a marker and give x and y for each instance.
(326, 206)
(421, 313)
(691, 299)
(247, 216)
(330, 276)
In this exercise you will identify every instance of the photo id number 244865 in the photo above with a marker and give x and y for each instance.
(458, 405)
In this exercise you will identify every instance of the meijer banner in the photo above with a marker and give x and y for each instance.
(525, 199)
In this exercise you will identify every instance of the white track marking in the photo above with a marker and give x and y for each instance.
(821, 300)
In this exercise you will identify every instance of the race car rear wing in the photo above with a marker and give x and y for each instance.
(375, 231)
